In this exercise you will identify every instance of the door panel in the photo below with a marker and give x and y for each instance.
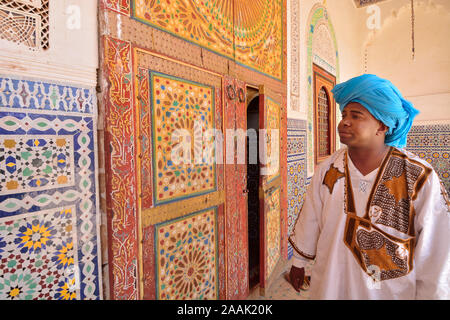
(236, 185)
(172, 194)
(270, 213)
(241, 186)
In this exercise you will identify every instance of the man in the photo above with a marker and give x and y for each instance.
(376, 219)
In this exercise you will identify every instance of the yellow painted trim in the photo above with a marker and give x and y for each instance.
(141, 50)
(181, 208)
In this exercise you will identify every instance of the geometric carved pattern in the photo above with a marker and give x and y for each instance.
(48, 166)
(318, 16)
(248, 32)
(182, 112)
(186, 250)
(25, 23)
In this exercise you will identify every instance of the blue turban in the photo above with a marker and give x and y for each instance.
(383, 100)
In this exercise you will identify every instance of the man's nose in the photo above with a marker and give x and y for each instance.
(345, 122)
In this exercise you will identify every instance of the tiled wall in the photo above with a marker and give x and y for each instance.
(296, 164)
(432, 143)
(48, 205)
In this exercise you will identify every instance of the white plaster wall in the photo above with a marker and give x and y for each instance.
(346, 21)
(424, 80)
(386, 51)
(73, 53)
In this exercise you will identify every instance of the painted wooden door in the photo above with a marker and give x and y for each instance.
(180, 183)
(235, 124)
(270, 109)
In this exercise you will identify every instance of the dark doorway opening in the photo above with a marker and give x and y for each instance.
(253, 190)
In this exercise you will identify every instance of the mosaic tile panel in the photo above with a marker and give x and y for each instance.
(186, 257)
(284, 179)
(296, 161)
(273, 231)
(32, 164)
(432, 143)
(38, 256)
(180, 105)
(249, 32)
(38, 95)
(48, 190)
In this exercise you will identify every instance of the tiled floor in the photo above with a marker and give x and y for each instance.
(281, 289)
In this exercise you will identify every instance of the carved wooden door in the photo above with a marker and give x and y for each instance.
(270, 107)
(236, 232)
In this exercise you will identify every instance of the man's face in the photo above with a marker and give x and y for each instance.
(358, 128)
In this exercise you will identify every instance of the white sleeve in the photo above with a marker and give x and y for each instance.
(432, 251)
(306, 230)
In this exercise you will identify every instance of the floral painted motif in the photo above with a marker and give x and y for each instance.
(273, 231)
(251, 32)
(273, 124)
(182, 112)
(187, 257)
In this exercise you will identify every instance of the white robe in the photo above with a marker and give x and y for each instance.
(404, 244)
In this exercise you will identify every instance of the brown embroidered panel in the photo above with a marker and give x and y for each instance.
(331, 177)
(381, 252)
(374, 249)
(401, 181)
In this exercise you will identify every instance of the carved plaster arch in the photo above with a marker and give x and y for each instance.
(318, 21)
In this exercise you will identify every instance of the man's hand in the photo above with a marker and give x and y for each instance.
(297, 276)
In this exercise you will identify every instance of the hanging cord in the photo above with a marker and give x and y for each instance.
(412, 28)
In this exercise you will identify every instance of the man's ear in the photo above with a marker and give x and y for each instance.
(382, 129)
